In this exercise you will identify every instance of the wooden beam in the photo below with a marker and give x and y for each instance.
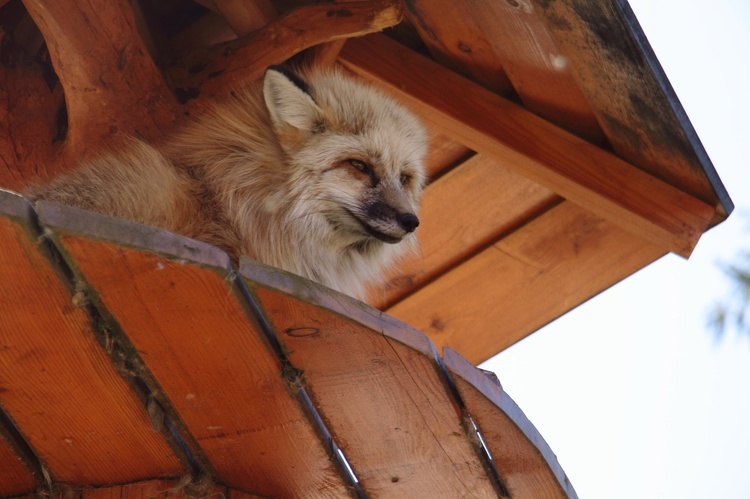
(526, 463)
(533, 147)
(525, 280)
(183, 319)
(111, 84)
(379, 387)
(59, 386)
(218, 69)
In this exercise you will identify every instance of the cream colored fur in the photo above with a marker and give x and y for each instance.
(311, 180)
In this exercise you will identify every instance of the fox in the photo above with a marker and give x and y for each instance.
(308, 170)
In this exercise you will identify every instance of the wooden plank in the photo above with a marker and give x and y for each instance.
(378, 386)
(455, 40)
(526, 463)
(524, 281)
(15, 477)
(470, 207)
(156, 488)
(515, 40)
(538, 150)
(59, 386)
(188, 319)
(442, 154)
(631, 96)
(238, 62)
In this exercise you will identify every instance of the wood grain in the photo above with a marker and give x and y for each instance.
(246, 16)
(455, 40)
(631, 96)
(191, 328)
(524, 281)
(226, 66)
(526, 463)
(470, 207)
(378, 387)
(59, 386)
(507, 39)
(153, 488)
(15, 477)
(534, 148)
(111, 84)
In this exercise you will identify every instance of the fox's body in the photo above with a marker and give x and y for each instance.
(321, 178)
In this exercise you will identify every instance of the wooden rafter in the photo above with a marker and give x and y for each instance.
(542, 152)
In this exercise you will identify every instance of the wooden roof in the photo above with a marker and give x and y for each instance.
(561, 162)
(561, 159)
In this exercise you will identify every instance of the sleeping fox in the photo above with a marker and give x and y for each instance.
(309, 171)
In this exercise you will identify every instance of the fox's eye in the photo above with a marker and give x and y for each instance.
(360, 166)
(405, 179)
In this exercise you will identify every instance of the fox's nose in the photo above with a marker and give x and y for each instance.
(408, 221)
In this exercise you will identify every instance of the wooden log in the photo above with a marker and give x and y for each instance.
(378, 386)
(28, 147)
(470, 207)
(190, 322)
(524, 281)
(155, 488)
(225, 66)
(618, 72)
(246, 16)
(526, 463)
(111, 84)
(538, 150)
(59, 387)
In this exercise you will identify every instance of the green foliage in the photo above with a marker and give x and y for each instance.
(732, 313)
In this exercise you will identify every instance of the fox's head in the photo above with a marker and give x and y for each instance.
(355, 155)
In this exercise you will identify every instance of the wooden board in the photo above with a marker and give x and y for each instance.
(15, 477)
(58, 385)
(524, 281)
(470, 207)
(378, 386)
(506, 38)
(527, 465)
(443, 153)
(192, 327)
(631, 96)
(534, 148)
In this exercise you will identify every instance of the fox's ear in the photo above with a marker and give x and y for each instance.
(288, 100)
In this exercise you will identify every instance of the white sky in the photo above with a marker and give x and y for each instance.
(634, 394)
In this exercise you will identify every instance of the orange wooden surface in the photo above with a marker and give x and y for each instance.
(193, 333)
(630, 94)
(525, 143)
(524, 281)
(378, 388)
(59, 386)
(443, 153)
(468, 208)
(512, 42)
(455, 40)
(526, 463)
(15, 477)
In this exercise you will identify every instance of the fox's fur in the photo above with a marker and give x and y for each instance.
(314, 173)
